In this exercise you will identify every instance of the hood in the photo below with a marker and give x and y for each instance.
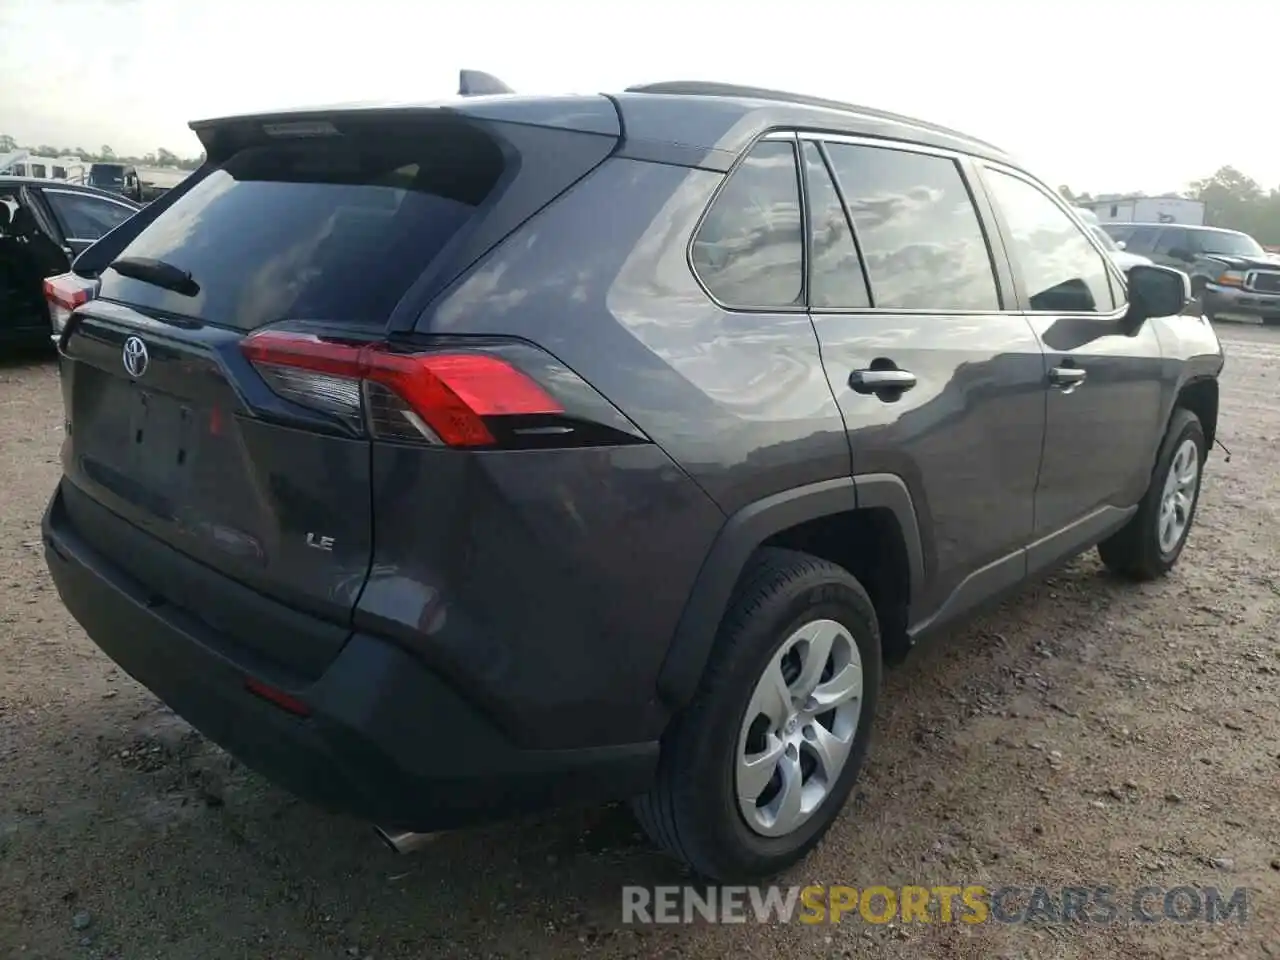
(1262, 261)
(1124, 260)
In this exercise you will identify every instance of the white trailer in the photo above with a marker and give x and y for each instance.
(1148, 210)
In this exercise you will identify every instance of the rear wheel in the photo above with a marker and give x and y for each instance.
(1149, 545)
(757, 768)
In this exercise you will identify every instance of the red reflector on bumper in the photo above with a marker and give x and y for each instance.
(281, 699)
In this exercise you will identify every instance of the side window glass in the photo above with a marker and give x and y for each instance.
(749, 250)
(835, 273)
(86, 218)
(1140, 239)
(1061, 269)
(918, 230)
(1171, 240)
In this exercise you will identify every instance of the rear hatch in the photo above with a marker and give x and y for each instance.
(181, 426)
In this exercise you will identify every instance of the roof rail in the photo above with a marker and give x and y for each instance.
(701, 88)
(477, 83)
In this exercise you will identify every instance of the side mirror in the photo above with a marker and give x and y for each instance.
(1156, 292)
(1121, 245)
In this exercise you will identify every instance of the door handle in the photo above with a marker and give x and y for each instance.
(881, 381)
(1067, 378)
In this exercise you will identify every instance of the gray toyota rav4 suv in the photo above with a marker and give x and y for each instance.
(453, 461)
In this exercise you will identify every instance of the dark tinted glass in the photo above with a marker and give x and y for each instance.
(1062, 271)
(1171, 239)
(319, 229)
(86, 218)
(918, 230)
(835, 273)
(1140, 239)
(749, 251)
(106, 174)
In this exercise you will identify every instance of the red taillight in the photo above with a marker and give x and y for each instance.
(64, 293)
(284, 701)
(440, 397)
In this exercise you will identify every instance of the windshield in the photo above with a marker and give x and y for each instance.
(106, 174)
(1104, 238)
(1232, 244)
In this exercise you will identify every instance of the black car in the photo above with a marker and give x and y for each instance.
(454, 461)
(1231, 275)
(44, 226)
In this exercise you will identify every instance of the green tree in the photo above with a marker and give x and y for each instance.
(7, 143)
(166, 158)
(1230, 198)
(106, 153)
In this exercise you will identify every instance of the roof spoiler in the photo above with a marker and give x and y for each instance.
(477, 83)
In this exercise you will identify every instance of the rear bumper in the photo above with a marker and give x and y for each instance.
(1228, 303)
(386, 740)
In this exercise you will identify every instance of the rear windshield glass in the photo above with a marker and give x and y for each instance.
(323, 229)
(107, 176)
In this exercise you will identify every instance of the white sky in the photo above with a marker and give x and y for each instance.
(1103, 95)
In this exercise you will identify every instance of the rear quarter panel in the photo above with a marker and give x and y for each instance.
(601, 279)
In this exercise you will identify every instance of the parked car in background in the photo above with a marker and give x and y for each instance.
(119, 178)
(1231, 274)
(1116, 249)
(44, 226)
(437, 496)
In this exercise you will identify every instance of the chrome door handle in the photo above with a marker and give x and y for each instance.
(1067, 378)
(879, 381)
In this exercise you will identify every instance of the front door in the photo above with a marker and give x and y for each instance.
(940, 381)
(1105, 390)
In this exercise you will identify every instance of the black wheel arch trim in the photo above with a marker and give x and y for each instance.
(743, 533)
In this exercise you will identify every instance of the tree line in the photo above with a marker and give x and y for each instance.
(104, 154)
(1231, 200)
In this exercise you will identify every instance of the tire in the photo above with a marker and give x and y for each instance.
(1136, 550)
(693, 811)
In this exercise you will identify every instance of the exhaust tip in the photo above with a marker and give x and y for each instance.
(404, 841)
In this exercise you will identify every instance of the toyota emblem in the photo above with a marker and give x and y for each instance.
(135, 357)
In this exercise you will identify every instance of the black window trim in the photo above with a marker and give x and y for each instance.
(1115, 280)
(825, 159)
(961, 161)
(802, 307)
(91, 196)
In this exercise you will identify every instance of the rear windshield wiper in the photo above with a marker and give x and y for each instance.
(156, 272)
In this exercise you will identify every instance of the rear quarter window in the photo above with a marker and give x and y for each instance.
(749, 250)
(319, 230)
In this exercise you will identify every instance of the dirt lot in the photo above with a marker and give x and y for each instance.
(1089, 732)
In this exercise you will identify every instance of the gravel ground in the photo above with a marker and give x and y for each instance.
(1088, 732)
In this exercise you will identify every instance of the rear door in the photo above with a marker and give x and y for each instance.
(28, 254)
(940, 380)
(181, 427)
(83, 218)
